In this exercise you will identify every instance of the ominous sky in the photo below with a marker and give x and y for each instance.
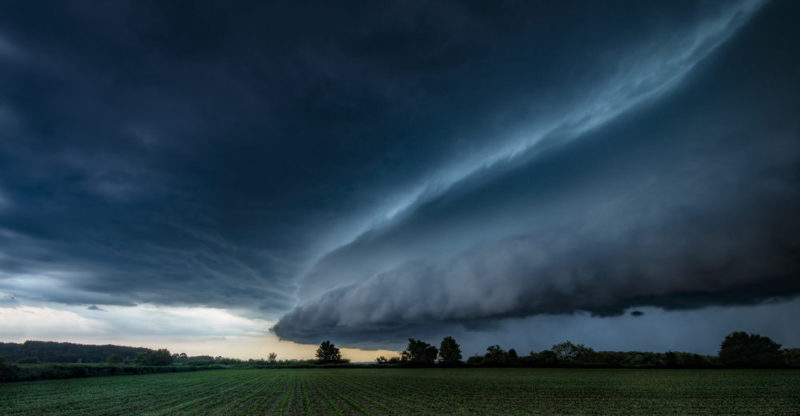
(215, 176)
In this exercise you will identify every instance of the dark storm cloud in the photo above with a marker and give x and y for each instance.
(254, 155)
(686, 261)
(690, 203)
(192, 153)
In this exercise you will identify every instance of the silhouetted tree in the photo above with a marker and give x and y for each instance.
(419, 353)
(449, 351)
(494, 355)
(567, 351)
(511, 356)
(475, 360)
(498, 356)
(328, 353)
(180, 358)
(740, 349)
(547, 357)
(158, 357)
(273, 357)
(383, 360)
(791, 357)
(670, 359)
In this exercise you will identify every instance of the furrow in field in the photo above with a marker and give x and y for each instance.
(142, 396)
(271, 404)
(296, 404)
(423, 388)
(256, 407)
(314, 402)
(289, 393)
(334, 392)
(330, 405)
(426, 391)
(211, 393)
(247, 383)
(387, 403)
(89, 396)
(307, 409)
(382, 389)
(265, 382)
(231, 385)
(346, 391)
(74, 390)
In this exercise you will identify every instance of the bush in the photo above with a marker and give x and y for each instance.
(114, 359)
(158, 357)
(791, 357)
(740, 349)
(387, 361)
(567, 351)
(60, 371)
(8, 371)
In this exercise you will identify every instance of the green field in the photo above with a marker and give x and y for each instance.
(413, 391)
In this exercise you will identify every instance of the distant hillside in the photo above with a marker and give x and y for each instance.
(65, 352)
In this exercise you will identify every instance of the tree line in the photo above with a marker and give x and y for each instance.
(31, 352)
(738, 349)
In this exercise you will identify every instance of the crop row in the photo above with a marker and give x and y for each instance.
(412, 392)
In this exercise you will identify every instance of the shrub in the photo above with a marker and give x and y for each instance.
(158, 357)
(740, 349)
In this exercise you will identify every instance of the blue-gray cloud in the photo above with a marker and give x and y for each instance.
(376, 169)
(671, 207)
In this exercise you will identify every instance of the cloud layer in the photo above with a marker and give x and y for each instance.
(662, 209)
(365, 173)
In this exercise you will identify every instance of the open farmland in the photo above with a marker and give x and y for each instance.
(413, 391)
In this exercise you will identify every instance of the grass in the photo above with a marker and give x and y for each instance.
(413, 391)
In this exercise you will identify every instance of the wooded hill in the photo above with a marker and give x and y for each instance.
(65, 352)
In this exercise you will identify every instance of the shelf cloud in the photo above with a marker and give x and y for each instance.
(366, 174)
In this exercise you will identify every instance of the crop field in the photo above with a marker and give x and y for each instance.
(411, 392)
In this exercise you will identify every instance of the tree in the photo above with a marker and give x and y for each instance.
(8, 371)
(498, 356)
(114, 359)
(419, 353)
(475, 360)
(791, 357)
(567, 351)
(328, 353)
(158, 357)
(449, 351)
(511, 356)
(383, 360)
(273, 357)
(670, 359)
(65, 352)
(495, 355)
(180, 358)
(740, 349)
(545, 358)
